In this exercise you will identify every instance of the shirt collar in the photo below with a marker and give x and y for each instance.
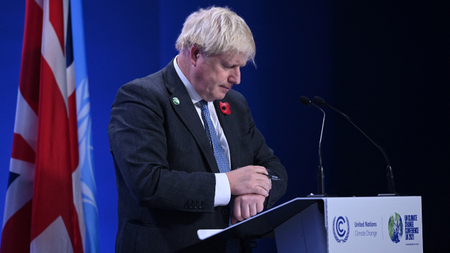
(190, 89)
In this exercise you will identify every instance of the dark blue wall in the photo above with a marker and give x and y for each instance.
(385, 65)
(392, 77)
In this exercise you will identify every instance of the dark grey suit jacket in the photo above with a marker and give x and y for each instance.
(164, 164)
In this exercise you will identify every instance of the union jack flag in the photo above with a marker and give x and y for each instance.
(51, 196)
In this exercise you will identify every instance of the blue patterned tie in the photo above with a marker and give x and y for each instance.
(221, 160)
(219, 154)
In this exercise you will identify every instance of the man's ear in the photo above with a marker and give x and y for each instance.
(194, 53)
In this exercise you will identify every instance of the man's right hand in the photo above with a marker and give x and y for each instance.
(249, 180)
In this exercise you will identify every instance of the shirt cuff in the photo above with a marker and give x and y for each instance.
(223, 191)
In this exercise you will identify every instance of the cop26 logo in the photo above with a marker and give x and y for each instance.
(341, 229)
(395, 227)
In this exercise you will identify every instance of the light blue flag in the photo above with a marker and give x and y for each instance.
(86, 162)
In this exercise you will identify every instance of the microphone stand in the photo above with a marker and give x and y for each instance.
(320, 171)
(389, 172)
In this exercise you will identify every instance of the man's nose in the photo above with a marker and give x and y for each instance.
(235, 77)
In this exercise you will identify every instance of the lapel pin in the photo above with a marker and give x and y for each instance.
(175, 101)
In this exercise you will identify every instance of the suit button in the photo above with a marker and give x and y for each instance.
(225, 212)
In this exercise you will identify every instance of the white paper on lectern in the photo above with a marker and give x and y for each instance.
(206, 233)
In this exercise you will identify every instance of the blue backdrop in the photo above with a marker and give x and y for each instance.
(386, 65)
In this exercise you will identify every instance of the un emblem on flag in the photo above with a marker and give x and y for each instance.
(341, 229)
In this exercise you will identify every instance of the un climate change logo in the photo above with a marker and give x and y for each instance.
(395, 227)
(341, 228)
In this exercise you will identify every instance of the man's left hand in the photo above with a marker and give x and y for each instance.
(246, 206)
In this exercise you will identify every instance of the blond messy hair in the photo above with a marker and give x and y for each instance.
(215, 31)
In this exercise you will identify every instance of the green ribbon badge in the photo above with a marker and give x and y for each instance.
(175, 101)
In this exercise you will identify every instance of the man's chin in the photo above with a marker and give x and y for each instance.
(217, 95)
(221, 96)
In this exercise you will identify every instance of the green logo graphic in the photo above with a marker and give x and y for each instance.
(395, 227)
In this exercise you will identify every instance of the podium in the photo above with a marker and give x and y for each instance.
(335, 224)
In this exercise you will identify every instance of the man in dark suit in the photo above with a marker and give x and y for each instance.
(171, 178)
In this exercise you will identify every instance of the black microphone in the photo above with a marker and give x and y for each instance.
(389, 173)
(320, 173)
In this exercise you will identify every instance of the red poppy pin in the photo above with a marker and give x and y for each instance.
(225, 108)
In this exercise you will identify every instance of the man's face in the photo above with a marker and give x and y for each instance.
(214, 76)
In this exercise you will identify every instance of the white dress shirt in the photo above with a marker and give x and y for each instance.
(223, 192)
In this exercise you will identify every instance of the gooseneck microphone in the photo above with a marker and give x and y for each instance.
(320, 173)
(389, 173)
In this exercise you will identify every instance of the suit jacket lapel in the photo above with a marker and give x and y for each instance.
(188, 115)
(229, 129)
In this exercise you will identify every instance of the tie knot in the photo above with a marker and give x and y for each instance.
(203, 104)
